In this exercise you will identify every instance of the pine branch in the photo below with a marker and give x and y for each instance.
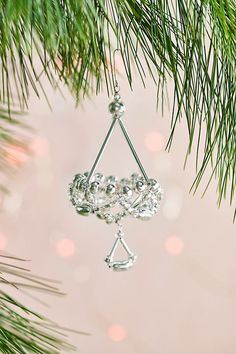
(22, 330)
(208, 93)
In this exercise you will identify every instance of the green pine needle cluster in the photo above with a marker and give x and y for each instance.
(23, 331)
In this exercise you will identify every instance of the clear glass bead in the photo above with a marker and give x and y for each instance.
(112, 199)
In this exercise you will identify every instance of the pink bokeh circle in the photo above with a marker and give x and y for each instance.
(154, 141)
(65, 247)
(174, 245)
(117, 333)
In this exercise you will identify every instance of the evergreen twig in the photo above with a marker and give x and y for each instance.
(21, 329)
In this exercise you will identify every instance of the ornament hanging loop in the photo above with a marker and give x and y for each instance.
(116, 88)
(116, 85)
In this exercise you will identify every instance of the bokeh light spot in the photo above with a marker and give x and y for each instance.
(65, 247)
(3, 242)
(154, 141)
(117, 333)
(174, 245)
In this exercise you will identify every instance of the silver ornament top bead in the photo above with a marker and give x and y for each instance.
(140, 186)
(116, 107)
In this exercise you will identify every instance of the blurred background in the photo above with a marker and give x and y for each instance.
(179, 298)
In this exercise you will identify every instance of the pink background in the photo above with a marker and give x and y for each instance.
(179, 298)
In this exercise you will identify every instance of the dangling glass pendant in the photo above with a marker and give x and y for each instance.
(137, 196)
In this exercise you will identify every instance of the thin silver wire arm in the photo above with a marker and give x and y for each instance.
(114, 247)
(133, 150)
(99, 155)
(122, 241)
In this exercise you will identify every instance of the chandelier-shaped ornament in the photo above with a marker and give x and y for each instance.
(137, 196)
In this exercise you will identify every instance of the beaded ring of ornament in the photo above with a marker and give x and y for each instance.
(133, 196)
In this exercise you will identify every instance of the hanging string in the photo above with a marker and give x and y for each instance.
(116, 85)
(118, 30)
